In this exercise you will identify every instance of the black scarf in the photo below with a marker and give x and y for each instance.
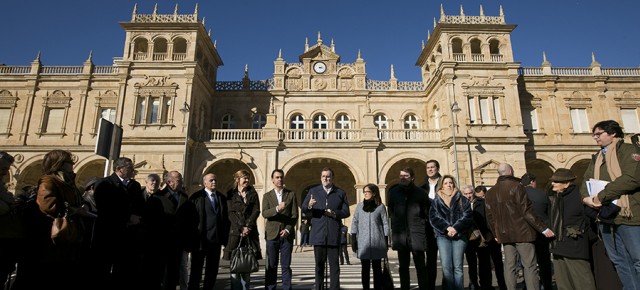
(369, 205)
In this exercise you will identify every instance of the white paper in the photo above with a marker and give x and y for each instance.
(594, 186)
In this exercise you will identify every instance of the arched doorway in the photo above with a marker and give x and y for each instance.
(29, 175)
(392, 179)
(541, 169)
(92, 168)
(579, 169)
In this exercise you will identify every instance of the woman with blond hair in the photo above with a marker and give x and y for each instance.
(244, 209)
(451, 218)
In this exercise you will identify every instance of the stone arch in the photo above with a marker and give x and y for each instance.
(400, 161)
(494, 45)
(160, 44)
(346, 72)
(293, 72)
(541, 169)
(224, 170)
(89, 167)
(296, 112)
(140, 44)
(475, 45)
(579, 168)
(456, 45)
(353, 168)
(180, 44)
(29, 172)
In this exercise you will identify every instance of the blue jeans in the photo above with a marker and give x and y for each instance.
(451, 259)
(623, 247)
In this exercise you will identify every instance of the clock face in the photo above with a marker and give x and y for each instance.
(319, 67)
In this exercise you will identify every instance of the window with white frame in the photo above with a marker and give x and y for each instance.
(152, 110)
(496, 110)
(411, 122)
(320, 122)
(579, 120)
(485, 116)
(485, 109)
(630, 120)
(472, 110)
(343, 122)
(381, 123)
(259, 120)
(530, 120)
(228, 122)
(296, 123)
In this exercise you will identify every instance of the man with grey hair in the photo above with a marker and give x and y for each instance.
(514, 223)
(151, 186)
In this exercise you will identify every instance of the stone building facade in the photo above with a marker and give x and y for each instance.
(315, 111)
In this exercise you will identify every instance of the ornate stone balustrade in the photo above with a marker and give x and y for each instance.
(15, 70)
(179, 56)
(259, 85)
(621, 71)
(303, 135)
(463, 19)
(105, 70)
(375, 85)
(236, 135)
(530, 71)
(165, 18)
(140, 56)
(410, 86)
(159, 55)
(477, 57)
(496, 57)
(571, 71)
(61, 70)
(458, 57)
(408, 135)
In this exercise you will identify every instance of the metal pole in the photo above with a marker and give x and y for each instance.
(455, 109)
(185, 110)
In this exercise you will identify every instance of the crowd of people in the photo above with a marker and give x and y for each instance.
(118, 234)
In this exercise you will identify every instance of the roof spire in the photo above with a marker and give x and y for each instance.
(544, 59)
(135, 10)
(306, 44)
(428, 35)
(359, 58)
(594, 63)
(155, 9)
(441, 11)
(209, 32)
(246, 71)
(461, 10)
(203, 19)
(280, 53)
(215, 44)
(37, 57)
(319, 38)
(423, 44)
(481, 10)
(333, 46)
(195, 12)
(90, 55)
(393, 73)
(434, 23)
(501, 12)
(175, 10)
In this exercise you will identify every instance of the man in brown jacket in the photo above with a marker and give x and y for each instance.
(514, 224)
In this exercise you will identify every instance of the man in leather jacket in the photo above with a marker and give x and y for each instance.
(514, 223)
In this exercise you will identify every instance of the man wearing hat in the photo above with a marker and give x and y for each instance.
(571, 247)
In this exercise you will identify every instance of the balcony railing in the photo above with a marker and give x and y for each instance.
(496, 58)
(322, 135)
(405, 134)
(301, 135)
(179, 56)
(15, 70)
(235, 135)
(61, 70)
(159, 55)
(477, 57)
(140, 55)
(458, 57)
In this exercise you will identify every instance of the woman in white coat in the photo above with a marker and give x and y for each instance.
(369, 225)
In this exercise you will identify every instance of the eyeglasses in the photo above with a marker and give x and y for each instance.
(367, 191)
(597, 134)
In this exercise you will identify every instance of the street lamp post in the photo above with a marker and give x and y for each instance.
(185, 110)
(455, 109)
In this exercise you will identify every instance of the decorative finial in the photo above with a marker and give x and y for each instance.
(306, 44)
(461, 10)
(428, 34)
(203, 19)
(155, 9)
(196, 10)
(209, 32)
(393, 73)
(441, 11)
(319, 38)
(246, 71)
(38, 56)
(333, 47)
(90, 55)
(544, 59)
(501, 12)
(133, 14)
(594, 63)
(175, 10)
(423, 44)
(481, 10)
(280, 53)
(360, 58)
(215, 44)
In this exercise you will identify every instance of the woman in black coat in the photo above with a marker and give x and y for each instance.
(244, 209)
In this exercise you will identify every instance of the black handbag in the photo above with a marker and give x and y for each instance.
(387, 279)
(243, 259)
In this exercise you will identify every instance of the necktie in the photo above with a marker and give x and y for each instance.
(214, 202)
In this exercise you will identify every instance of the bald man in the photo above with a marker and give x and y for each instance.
(213, 232)
(514, 223)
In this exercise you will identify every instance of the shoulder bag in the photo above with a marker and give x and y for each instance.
(243, 259)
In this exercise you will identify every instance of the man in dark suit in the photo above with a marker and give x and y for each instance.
(117, 235)
(326, 205)
(431, 186)
(212, 234)
(172, 223)
(280, 209)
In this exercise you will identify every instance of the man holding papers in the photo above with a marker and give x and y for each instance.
(615, 163)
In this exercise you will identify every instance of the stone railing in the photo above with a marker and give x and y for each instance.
(61, 70)
(159, 55)
(301, 135)
(375, 85)
(477, 57)
(410, 86)
(408, 135)
(235, 135)
(464, 19)
(15, 70)
(259, 85)
(581, 71)
(458, 57)
(496, 57)
(165, 18)
(140, 56)
(105, 70)
(179, 56)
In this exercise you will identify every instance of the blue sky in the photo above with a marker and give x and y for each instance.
(387, 32)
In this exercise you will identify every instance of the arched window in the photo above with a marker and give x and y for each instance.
(296, 123)
(140, 48)
(343, 122)
(160, 49)
(410, 123)
(456, 47)
(494, 50)
(228, 122)
(380, 120)
(476, 50)
(320, 122)
(179, 48)
(259, 120)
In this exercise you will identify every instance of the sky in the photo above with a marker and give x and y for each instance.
(386, 32)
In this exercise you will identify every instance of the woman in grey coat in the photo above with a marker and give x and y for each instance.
(368, 226)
